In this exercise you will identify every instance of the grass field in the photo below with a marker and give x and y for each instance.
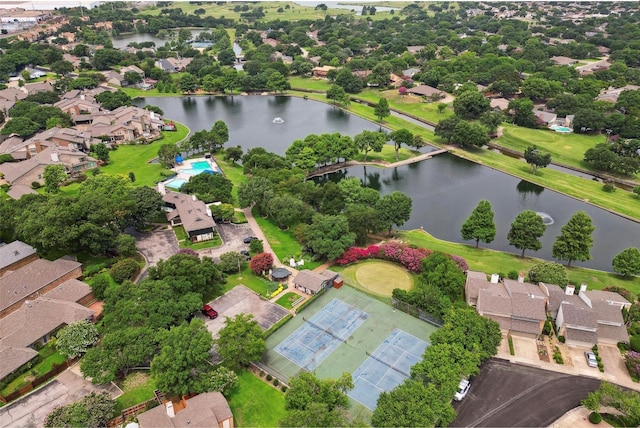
(49, 356)
(233, 172)
(134, 158)
(294, 12)
(491, 261)
(287, 299)
(138, 387)
(249, 279)
(254, 403)
(378, 277)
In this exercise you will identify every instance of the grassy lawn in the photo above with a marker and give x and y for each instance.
(233, 172)
(239, 218)
(135, 158)
(283, 242)
(312, 83)
(286, 300)
(49, 356)
(249, 279)
(568, 149)
(377, 277)
(137, 387)
(255, 403)
(491, 261)
(295, 12)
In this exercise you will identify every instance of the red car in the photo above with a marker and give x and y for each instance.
(210, 312)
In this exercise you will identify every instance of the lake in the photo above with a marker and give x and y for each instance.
(445, 189)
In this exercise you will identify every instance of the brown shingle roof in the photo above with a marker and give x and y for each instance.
(475, 282)
(607, 296)
(617, 333)
(522, 326)
(528, 307)
(526, 288)
(313, 280)
(21, 283)
(202, 411)
(494, 300)
(425, 90)
(581, 316)
(19, 190)
(581, 335)
(70, 291)
(14, 252)
(193, 214)
(13, 358)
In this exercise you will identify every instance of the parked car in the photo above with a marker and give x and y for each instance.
(210, 312)
(463, 389)
(248, 239)
(592, 361)
(246, 255)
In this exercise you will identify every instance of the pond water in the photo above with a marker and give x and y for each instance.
(351, 6)
(123, 40)
(445, 189)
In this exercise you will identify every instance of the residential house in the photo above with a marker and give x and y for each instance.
(362, 74)
(13, 94)
(192, 214)
(81, 108)
(414, 49)
(180, 64)
(5, 106)
(592, 67)
(426, 91)
(611, 95)
(410, 72)
(545, 118)
(114, 78)
(34, 88)
(127, 123)
(32, 169)
(312, 282)
(134, 69)
(33, 280)
(74, 60)
(165, 65)
(19, 190)
(322, 71)
(207, 410)
(38, 319)
(68, 138)
(501, 104)
(34, 73)
(16, 147)
(590, 317)
(563, 60)
(15, 255)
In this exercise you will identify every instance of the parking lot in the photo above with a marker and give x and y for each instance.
(232, 236)
(241, 300)
(507, 395)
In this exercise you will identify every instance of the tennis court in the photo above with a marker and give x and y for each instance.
(319, 336)
(386, 367)
(352, 346)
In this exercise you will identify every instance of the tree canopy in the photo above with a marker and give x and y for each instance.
(240, 341)
(480, 225)
(526, 231)
(575, 240)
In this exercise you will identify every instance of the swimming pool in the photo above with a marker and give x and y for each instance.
(176, 183)
(201, 165)
(561, 128)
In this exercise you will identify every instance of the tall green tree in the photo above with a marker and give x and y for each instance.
(54, 175)
(470, 105)
(575, 239)
(101, 152)
(368, 141)
(189, 273)
(329, 235)
(257, 191)
(74, 339)
(446, 128)
(311, 402)
(182, 365)
(381, 109)
(167, 154)
(240, 341)
(400, 137)
(536, 159)
(480, 225)
(93, 410)
(627, 262)
(394, 209)
(526, 231)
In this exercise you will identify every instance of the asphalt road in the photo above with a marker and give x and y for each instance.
(513, 395)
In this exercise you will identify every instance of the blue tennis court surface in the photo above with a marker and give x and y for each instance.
(319, 336)
(387, 367)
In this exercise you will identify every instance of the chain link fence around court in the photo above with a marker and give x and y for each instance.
(416, 312)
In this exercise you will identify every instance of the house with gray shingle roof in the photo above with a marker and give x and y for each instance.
(192, 214)
(15, 255)
(312, 282)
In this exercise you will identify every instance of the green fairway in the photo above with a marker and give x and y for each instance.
(135, 158)
(254, 403)
(378, 277)
(491, 261)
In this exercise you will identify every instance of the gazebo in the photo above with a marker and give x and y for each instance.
(280, 274)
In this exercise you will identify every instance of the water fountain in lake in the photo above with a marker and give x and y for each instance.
(546, 218)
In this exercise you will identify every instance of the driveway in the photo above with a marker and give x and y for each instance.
(156, 245)
(30, 411)
(232, 236)
(506, 395)
(614, 367)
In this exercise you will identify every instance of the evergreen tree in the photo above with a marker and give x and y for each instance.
(480, 225)
(382, 109)
(575, 240)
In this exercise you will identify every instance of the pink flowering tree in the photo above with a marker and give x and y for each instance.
(402, 91)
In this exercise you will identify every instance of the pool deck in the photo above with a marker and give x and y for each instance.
(188, 164)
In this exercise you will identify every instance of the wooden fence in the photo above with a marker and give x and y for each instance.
(55, 370)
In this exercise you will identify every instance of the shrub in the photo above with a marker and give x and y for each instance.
(609, 187)
(595, 418)
(548, 272)
(598, 358)
(261, 373)
(595, 348)
(512, 274)
(283, 388)
(99, 285)
(123, 270)
(601, 366)
(561, 339)
(546, 330)
(511, 350)
(261, 262)
(35, 185)
(269, 377)
(276, 382)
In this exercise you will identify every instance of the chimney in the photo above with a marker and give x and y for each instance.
(36, 142)
(170, 412)
(521, 277)
(495, 278)
(569, 290)
(83, 97)
(161, 189)
(54, 157)
(194, 198)
(583, 287)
